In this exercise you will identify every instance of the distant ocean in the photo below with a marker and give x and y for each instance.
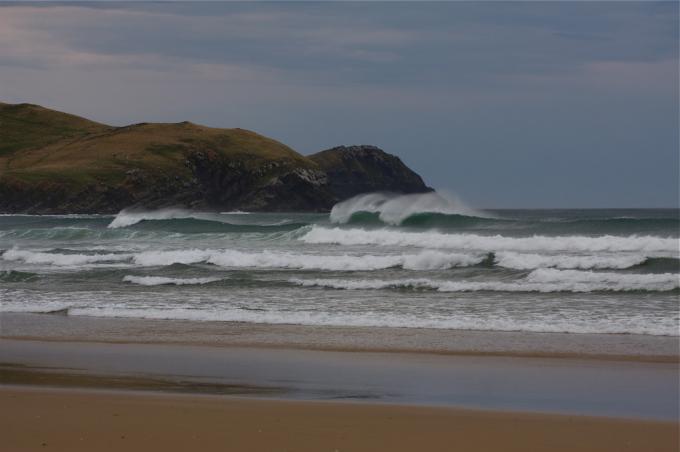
(374, 262)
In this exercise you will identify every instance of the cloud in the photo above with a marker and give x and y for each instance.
(333, 43)
(449, 86)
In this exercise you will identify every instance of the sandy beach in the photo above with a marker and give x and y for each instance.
(84, 396)
(73, 383)
(70, 384)
(72, 420)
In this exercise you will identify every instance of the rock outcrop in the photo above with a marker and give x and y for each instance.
(352, 170)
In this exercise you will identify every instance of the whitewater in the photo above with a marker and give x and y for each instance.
(378, 260)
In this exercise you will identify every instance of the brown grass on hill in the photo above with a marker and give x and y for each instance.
(39, 143)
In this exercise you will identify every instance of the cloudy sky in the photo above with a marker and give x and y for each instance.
(532, 104)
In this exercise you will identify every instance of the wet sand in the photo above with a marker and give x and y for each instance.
(633, 389)
(59, 327)
(84, 384)
(72, 420)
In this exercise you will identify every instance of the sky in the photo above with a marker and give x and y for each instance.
(507, 105)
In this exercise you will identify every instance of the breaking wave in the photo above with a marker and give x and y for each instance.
(396, 209)
(540, 280)
(186, 221)
(427, 260)
(59, 259)
(421, 261)
(129, 218)
(526, 261)
(491, 243)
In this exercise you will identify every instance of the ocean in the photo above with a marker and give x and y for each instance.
(374, 261)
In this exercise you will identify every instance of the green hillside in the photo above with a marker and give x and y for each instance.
(54, 162)
(27, 126)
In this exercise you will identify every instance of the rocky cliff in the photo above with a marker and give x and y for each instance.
(53, 162)
(362, 169)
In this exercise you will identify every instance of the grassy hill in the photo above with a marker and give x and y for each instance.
(56, 162)
(27, 126)
(60, 146)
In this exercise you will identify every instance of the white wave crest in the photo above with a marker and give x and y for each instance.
(497, 318)
(527, 261)
(427, 260)
(633, 281)
(544, 323)
(394, 209)
(161, 280)
(128, 218)
(58, 259)
(160, 258)
(491, 243)
(423, 260)
(540, 280)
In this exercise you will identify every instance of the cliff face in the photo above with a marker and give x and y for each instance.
(352, 170)
(52, 162)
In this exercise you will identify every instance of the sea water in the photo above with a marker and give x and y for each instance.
(374, 261)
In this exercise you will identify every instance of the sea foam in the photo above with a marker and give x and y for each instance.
(540, 280)
(490, 243)
(528, 261)
(58, 259)
(128, 218)
(393, 209)
(426, 260)
(544, 322)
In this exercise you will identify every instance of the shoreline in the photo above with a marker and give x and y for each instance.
(630, 389)
(82, 384)
(105, 330)
(73, 420)
(665, 359)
